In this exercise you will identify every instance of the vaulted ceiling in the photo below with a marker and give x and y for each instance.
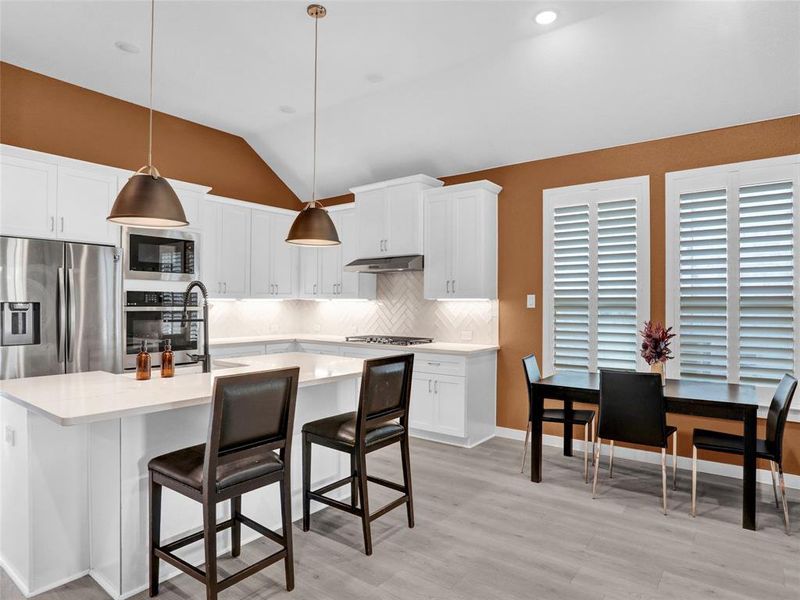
(432, 87)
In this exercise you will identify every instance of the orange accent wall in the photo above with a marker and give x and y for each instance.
(45, 114)
(520, 242)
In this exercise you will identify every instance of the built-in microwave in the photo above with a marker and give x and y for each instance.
(160, 254)
(154, 317)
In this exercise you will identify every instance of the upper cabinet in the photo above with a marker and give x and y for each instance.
(389, 216)
(273, 262)
(27, 197)
(225, 266)
(461, 241)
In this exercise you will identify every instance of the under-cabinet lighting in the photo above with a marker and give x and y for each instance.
(463, 299)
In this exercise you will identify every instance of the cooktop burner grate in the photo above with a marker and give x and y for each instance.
(392, 340)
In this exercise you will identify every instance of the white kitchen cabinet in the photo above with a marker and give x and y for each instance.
(85, 198)
(226, 249)
(461, 241)
(273, 262)
(389, 216)
(28, 191)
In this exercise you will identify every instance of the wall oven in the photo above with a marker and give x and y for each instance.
(155, 317)
(160, 255)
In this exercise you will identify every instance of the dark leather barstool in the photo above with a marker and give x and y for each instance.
(384, 399)
(251, 417)
(632, 410)
(557, 415)
(770, 448)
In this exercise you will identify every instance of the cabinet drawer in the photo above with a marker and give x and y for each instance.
(237, 350)
(440, 364)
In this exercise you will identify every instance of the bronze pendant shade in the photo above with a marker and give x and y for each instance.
(313, 227)
(148, 200)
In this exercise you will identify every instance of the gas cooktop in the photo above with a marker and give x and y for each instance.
(393, 340)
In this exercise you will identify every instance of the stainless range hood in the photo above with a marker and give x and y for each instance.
(391, 264)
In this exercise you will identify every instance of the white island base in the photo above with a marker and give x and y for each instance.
(75, 495)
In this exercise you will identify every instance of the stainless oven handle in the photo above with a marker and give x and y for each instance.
(61, 316)
(71, 333)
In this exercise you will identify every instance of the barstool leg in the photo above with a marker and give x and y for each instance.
(594, 437)
(406, 459)
(586, 453)
(694, 480)
(664, 479)
(525, 446)
(597, 453)
(675, 461)
(362, 485)
(155, 533)
(306, 483)
(774, 484)
(611, 461)
(353, 482)
(210, 539)
(286, 516)
(236, 528)
(783, 497)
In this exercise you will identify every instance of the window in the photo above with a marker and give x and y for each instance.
(596, 274)
(732, 268)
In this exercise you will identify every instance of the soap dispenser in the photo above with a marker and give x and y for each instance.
(143, 362)
(167, 360)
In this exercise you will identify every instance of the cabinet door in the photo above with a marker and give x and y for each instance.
(422, 408)
(330, 264)
(404, 220)
(284, 257)
(309, 272)
(27, 198)
(208, 241)
(371, 215)
(353, 285)
(190, 201)
(85, 198)
(450, 393)
(260, 253)
(467, 246)
(234, 251)
(438, 231)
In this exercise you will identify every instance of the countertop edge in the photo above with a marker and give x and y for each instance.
(310, 339)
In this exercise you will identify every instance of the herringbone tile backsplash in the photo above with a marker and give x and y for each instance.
(399, 309)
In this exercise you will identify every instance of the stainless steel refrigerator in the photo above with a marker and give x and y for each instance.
(60, 308)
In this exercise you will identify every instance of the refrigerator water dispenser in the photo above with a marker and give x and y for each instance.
(19, 323)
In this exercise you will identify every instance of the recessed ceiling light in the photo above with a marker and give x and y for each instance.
(374, 77)
(546, 17)
(285, 108)
(127, 47)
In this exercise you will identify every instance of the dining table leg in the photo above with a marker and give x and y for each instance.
(749, 475)
(568, 427)
(537, 407)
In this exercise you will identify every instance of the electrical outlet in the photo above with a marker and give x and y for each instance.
(10, 436)
(466, 336)
(531, 301)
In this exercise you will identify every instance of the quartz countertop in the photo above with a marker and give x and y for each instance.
(78, 398)
(339, 340)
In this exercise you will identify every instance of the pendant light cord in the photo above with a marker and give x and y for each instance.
(314, 170)
(150, 128)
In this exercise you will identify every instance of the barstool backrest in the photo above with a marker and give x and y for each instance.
(632, 408)
(778, 412)
(385, 390)
(251, 413)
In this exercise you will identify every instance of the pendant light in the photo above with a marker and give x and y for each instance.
(147, 199)
(313, 226)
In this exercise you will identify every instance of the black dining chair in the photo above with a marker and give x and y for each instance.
(770, 448)
(632, 410)
(557, 415)
(381, 420)
(251, 418)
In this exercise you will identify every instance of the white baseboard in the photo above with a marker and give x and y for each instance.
(684, 462)
(14, 576)
(28, 593)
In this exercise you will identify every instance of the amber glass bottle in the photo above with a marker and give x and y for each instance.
(143, 362)
(167, 360)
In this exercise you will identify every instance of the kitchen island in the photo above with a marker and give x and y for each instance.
(73, 470)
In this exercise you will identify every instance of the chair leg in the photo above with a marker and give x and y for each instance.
(675, 461)
(525, 446)
(306, 483)
(783, 498)
(286, 517)
(664, 479)
(774, 484)
(155, 533)
(406, 460)
(597, 453)
(353, 482)
(586, 453)
(611, 461)
(362, 485)
(694, 480)
(594, 437)
(236, 528)
(210, 539)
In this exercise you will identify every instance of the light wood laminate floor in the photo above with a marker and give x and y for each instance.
(484, 531)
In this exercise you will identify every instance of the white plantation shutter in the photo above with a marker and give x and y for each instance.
(617, 321)
(596, 287)
(703, 285)
(732, 270)
(571, 287)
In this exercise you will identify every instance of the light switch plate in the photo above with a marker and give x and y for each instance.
(531, 303)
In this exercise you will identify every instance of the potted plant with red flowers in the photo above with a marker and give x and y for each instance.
(655, 347)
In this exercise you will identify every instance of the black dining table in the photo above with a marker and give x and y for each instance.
(683, 396)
